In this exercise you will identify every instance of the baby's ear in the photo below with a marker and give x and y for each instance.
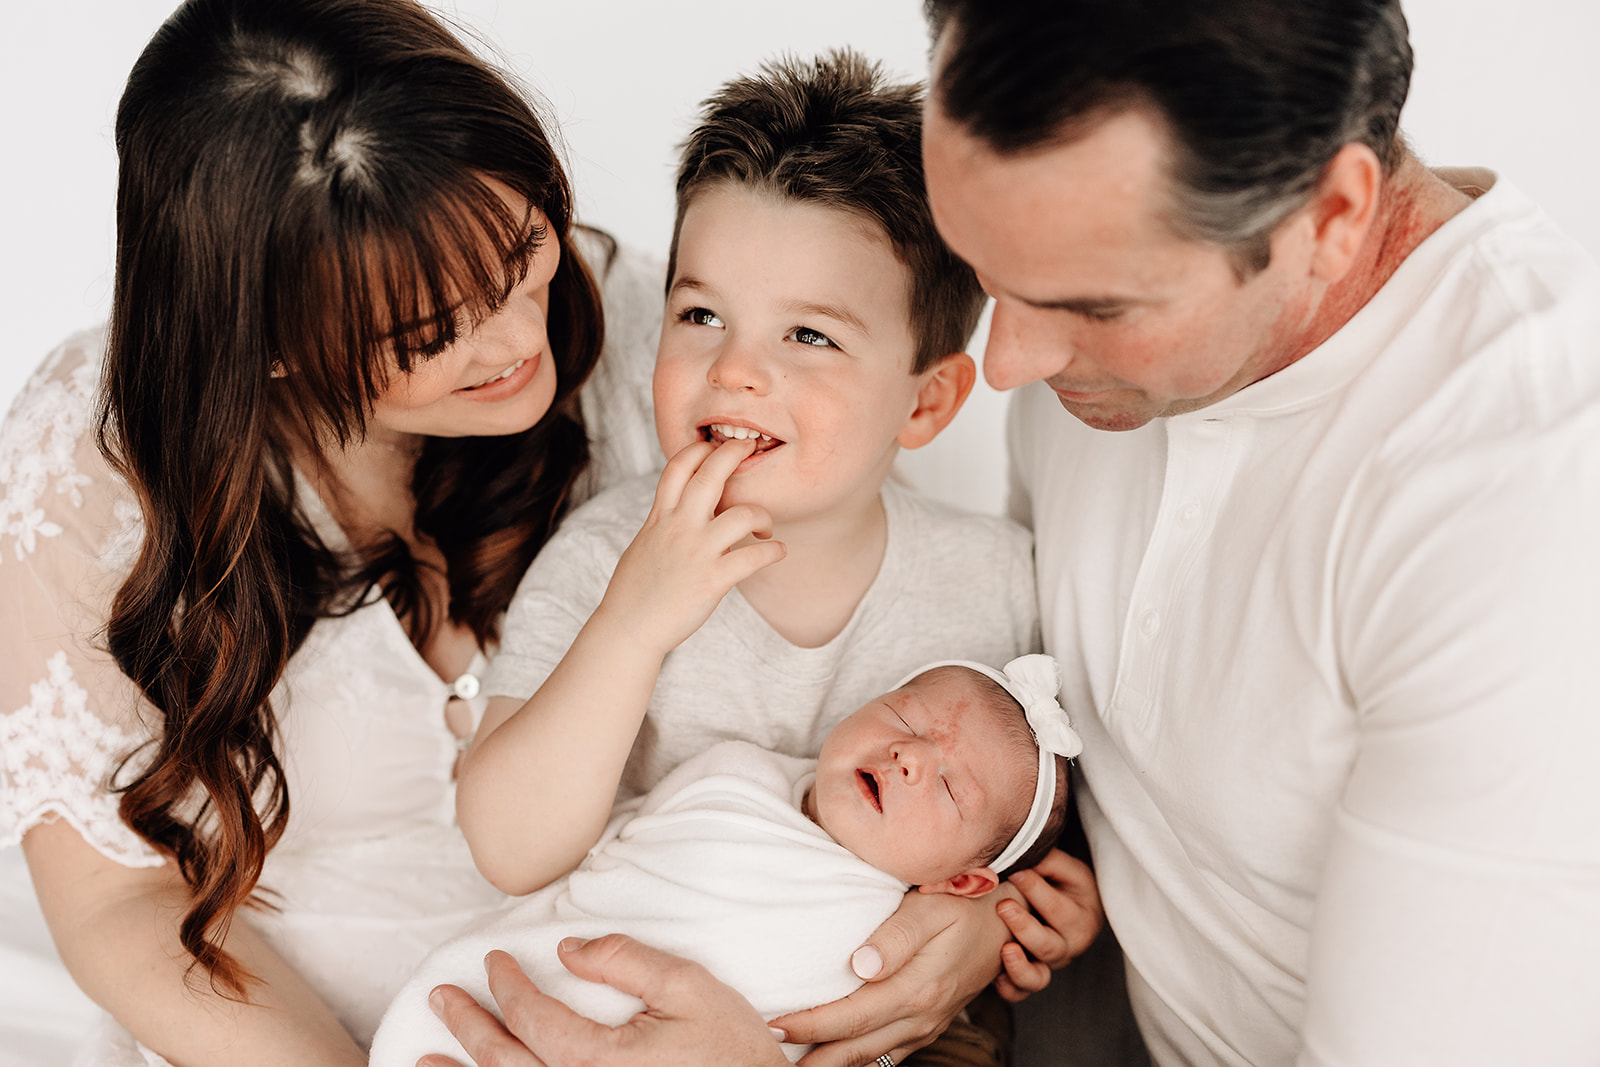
(974, 883)
(944, 389)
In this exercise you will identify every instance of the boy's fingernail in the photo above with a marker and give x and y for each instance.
(779, 1034)
(572, 944)
(436, 1002)
(866, 961)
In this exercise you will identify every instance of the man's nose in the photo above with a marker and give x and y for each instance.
(1021, 349)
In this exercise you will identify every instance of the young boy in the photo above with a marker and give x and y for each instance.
(814, 326)
(770, 870)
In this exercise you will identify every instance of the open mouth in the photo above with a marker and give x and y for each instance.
(869, 786)
(718, 432)
(502, 376)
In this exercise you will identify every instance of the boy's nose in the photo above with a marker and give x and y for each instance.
(740, 367)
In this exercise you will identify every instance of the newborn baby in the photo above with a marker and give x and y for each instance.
(771, 870)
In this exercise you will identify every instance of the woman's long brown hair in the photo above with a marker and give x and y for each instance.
(302, 214)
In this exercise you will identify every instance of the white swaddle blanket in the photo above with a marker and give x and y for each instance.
(716, 864)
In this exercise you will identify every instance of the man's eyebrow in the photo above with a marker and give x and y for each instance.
(832, 311)
(1084, 305)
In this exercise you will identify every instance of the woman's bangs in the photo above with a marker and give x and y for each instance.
(402, 289)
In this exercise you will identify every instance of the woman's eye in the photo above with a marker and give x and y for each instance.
(700, 317)
(807, 336)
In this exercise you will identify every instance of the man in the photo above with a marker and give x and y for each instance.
(1329, 582)
(1332, 587)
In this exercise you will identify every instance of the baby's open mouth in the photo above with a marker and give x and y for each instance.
(870, 784)
(718, 432)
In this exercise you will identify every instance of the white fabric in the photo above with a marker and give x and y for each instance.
(952, 584)
(716, 864)
(371, 872)
(1332, 644)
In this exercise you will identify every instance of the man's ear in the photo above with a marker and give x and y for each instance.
(974, 883)
(1343, 210)
(944, 389)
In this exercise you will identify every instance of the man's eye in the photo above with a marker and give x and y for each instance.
(700, 317)
(807, 336)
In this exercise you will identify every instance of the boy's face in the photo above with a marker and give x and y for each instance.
(922, 780)
(790, 320)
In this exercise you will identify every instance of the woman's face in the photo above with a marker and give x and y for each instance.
(497, 377)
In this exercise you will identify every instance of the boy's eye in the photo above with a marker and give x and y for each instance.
(700, 317)
(1110, 314)
(807, 336)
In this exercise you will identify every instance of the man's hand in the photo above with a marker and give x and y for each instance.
(691, 1019)
(1065, 919)
(922, 966)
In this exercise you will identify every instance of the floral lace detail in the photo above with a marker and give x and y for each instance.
(37, 447)
(55, 755)
(122, 544)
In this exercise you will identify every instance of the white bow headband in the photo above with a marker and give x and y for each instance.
(1034, 681)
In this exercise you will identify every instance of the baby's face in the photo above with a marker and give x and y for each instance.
(921, 780)
(788, 322)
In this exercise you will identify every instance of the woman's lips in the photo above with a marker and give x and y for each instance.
(507, 383)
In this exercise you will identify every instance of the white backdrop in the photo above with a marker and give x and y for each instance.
(1511, 86)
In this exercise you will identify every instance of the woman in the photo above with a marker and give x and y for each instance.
(340, 414)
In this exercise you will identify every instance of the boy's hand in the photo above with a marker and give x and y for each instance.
(686, 557)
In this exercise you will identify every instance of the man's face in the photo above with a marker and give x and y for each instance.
(1094, 291)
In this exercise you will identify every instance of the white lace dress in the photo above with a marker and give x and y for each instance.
(371, 872)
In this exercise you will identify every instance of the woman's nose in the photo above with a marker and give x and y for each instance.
(740, 367)
(515, 331)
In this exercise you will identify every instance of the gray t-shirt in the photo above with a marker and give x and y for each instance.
(952, 585)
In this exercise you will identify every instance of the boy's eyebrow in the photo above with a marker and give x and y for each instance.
(832, 311)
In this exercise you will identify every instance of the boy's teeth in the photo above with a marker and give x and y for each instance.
(738, 433)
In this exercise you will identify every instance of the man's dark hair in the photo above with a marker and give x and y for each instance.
(835, 132)
(1257, 96)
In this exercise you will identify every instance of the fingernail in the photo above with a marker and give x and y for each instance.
(781, 1035)
(866, 961)
(572, 944)
(436, 1002)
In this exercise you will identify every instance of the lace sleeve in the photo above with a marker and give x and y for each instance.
(68, 530)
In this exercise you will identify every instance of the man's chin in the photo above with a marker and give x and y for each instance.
(1108, 414)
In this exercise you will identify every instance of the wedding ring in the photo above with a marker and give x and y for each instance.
(885, 1060)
